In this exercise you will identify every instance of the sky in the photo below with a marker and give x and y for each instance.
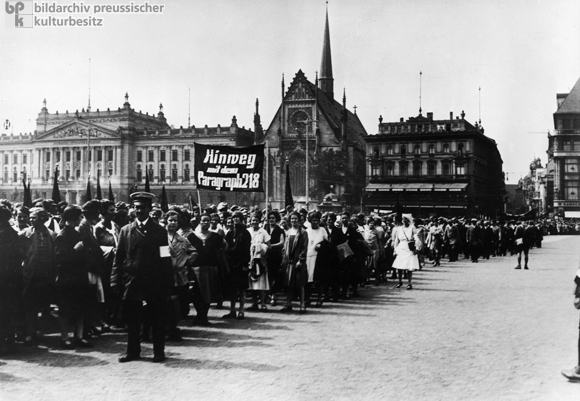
(212, 60)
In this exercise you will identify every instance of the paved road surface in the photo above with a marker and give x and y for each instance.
(465, 332)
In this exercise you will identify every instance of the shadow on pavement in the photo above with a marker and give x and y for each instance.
(47, 357)
(218, 365)
(8, 378)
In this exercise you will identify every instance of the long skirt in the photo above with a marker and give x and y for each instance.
(209, 285)
(295, 277)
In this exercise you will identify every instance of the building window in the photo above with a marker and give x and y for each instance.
(445, 148)
(174, 172)
(376, 151)
(67, 156)
(174, 155)
(162, 173)
(15, 175)
(571, 190)
(99, 155)
(24, 158)
(47, 158)
(139, 173)
(460, 148)
(150, 172)
(431, 168)
(389, 150)
(417, 168)
(417, 149)
(58, 157)
(46, 174)
(79, 156)
(15, 159)
(139, 156)
(375, 170)
(6, 174)
(151, 156)
(161, 155)
(567, 145)
(186, 173)
(67, 175)
(403, 150)
(446, 169)
(90, 155)
(78, 174)
(6, 160)
(431, 149)
(460, 169)
(186, 155)
(403, 168)
(110, 156)
(390, 169)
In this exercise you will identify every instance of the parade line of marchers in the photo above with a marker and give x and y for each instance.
(240, 181)
(70, 21)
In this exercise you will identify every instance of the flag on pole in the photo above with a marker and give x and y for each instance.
(164, 203)
(88, 194)
(111, 195)
(55, 190)
(289, 198)
(147, 188)
(99, 194)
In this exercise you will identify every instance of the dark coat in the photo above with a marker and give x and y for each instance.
(95, 259)
(11, 257)
(71, 266)
(32, 267)
(238, 257)
(139, 270)
(294, 258)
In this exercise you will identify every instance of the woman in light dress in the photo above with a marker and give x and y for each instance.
(258, 268)
(406, 259)
(316, 236)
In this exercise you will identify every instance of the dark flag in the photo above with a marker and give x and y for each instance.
(111, 195)
(88, 194)
(147, 188)
(99, 194)
(55, 190)
(289, 198)
(29, 193)
(26, 198)
(164, 203)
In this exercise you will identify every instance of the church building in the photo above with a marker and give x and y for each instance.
(320, 140)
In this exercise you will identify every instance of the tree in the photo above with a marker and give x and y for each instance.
(329, 167)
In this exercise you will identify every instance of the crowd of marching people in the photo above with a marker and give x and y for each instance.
(107, 266)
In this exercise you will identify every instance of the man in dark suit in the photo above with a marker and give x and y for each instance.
(142, 272)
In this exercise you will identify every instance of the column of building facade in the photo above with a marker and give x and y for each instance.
(156, 175)
(117, 169)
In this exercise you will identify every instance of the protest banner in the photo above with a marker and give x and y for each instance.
(229, 168)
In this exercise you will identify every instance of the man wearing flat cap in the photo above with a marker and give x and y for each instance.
(142, 272)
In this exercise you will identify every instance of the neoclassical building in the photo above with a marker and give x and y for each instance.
(310, 123)
(119, 146)
(444, 167)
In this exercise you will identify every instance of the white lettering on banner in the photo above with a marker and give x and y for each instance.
(243, 181)
(214, 156)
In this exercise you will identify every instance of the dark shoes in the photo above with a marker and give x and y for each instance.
(231, 315)
(159, 358)
(240, 316)
(399, 285)
(286, 309)
(526, 268)
(409, 287)
(518, 267)
(66, 344)
(129, 358)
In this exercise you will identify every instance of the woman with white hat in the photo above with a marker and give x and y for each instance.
(406, 243)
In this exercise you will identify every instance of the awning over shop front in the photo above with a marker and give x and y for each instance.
(380, 187)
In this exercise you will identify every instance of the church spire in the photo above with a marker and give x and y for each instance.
(326, 81)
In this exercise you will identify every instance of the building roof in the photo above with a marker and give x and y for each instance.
(572, 102)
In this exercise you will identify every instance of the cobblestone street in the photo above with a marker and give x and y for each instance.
(465, 332)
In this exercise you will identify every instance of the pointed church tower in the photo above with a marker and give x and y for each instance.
(326, 81)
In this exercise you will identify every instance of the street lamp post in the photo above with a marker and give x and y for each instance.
(308, 120)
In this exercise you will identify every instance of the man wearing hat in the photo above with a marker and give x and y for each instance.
(142, 271)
